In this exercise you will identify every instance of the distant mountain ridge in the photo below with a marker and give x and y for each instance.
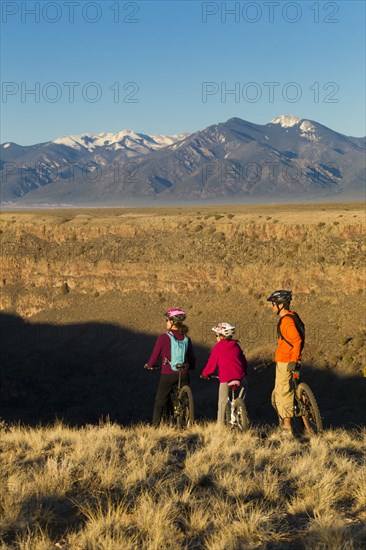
(140, 143)
(286, 158)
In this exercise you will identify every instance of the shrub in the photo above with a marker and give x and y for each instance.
(65, 219)
(65, 289)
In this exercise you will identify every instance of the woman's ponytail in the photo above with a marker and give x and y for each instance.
(181, 327)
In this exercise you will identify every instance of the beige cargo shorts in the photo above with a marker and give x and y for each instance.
(284, 395)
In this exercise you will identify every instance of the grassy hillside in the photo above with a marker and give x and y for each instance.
(113, 488)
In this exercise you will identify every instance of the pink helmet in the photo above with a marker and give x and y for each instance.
(175, 314)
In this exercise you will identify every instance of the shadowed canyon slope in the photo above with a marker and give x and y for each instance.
(83, 292)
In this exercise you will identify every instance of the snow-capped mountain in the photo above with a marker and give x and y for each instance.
(126, 139)
(286, 121)
(288, 157)
(308, 130)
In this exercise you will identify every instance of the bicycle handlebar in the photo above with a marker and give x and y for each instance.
(178, 367)
(154, 367)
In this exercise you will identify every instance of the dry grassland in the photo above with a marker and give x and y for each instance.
(113, 488)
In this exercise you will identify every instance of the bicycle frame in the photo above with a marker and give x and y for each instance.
(236, 415)
(178, 410)
(180, 405)
(305, 405)
(232, 404)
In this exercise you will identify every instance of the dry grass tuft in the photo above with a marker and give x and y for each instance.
(111, 488)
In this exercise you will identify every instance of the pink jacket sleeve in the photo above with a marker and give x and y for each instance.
(156, 353)
(211, 363)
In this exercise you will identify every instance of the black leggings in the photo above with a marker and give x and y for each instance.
(166, 383)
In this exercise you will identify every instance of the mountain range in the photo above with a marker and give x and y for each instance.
(288, 158)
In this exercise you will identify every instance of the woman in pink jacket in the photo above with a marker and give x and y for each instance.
(228, 357)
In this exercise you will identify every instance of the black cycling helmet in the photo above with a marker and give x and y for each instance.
(280, 297)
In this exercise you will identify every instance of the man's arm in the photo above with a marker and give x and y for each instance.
(289, 331)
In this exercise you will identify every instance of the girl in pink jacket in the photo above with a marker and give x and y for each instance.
(228, 357)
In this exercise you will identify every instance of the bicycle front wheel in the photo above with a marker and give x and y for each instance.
(241, 415)
(185, 416)
(310, 408)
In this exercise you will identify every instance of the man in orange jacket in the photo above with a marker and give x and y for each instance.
(287, 355)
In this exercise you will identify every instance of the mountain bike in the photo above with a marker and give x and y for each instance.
(236, 415)
(305, 405)
(179, 410)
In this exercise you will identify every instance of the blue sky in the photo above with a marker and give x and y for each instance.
(174, 63)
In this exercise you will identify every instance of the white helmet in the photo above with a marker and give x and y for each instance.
(225, 329)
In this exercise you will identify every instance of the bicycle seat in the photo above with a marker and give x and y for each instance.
(234, 384)
(181, 366)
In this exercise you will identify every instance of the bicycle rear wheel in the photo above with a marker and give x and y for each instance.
(241, 414)
(310, 407)
(185, 416)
